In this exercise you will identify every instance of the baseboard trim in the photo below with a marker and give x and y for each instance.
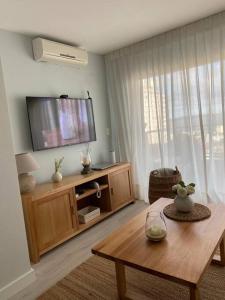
(17, 285)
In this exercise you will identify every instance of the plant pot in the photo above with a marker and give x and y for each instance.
(184, 204)
(57, 177)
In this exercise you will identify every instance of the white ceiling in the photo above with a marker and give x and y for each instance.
(101, 26)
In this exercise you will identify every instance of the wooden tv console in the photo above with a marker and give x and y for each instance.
(50, 211)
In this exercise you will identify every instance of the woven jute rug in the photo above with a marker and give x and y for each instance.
(95, 279)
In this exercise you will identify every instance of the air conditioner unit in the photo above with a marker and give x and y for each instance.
(45, 50)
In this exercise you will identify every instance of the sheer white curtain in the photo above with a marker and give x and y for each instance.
(167, 105)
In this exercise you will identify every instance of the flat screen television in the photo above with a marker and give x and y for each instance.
(56, 122)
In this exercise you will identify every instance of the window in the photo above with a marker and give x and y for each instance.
(186, 105)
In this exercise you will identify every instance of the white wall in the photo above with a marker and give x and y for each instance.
(25, 77)
(14, 259)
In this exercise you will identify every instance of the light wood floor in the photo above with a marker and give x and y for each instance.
(59, 262)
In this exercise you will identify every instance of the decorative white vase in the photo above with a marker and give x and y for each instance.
(57, 177)
(184, 204)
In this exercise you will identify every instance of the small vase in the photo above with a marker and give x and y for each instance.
(57, 177)
(184, 204)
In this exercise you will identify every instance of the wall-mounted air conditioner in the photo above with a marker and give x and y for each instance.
(45, 50)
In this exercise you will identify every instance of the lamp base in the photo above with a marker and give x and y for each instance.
(27, 183)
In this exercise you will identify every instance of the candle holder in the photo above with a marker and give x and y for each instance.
(86, 162)
(155, 226)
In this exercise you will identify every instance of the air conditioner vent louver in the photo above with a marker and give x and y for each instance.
(67, 56)
(45, 50)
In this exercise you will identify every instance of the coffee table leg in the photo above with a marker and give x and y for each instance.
(121, 280)
(222, 251)
(220, 259)
(194, 293)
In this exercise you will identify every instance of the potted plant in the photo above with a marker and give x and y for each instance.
(57, 176)
(183, 201)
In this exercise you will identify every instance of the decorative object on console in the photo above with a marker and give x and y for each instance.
(95, 185)
(88, 213)
(183, 201)
(57, 176)
(155, 226)
(112, 156)
(86, 161)
(25, 164)
(161, 182)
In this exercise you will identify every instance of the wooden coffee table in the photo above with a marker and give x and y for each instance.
(182, 257)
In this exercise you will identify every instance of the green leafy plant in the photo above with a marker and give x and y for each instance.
(183, 190)
(58, 164)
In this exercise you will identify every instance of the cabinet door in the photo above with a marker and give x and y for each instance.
(54, 219)
(120, 188)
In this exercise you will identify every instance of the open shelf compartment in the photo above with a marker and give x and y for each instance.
(89, 198)
(90, 191)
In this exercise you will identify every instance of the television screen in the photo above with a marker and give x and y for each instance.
(56, 122)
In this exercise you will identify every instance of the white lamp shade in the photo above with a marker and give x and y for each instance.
(26, 163)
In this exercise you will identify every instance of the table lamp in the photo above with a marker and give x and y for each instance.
(25, 164)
